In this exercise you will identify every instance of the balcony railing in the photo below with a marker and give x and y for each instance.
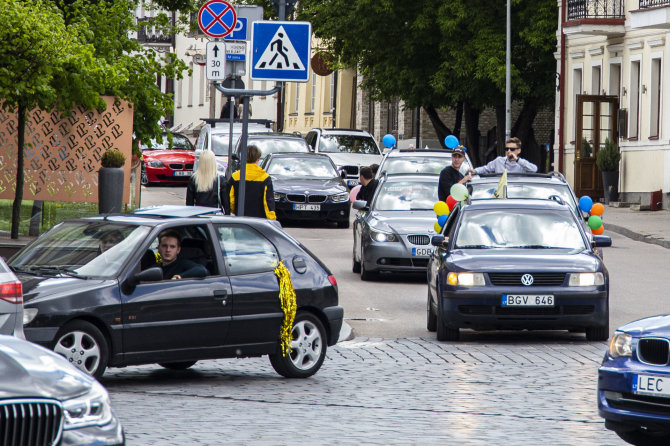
(598, 9)
(644, 4)
(149, 34)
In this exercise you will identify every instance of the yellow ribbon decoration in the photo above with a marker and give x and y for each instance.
(287, 300)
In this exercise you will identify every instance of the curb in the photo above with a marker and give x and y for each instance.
(638, 237)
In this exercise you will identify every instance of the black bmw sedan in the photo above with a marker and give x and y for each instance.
(94, 294)
(308, 187)
(517, 264)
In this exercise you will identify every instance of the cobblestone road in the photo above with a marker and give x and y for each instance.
(375, 391)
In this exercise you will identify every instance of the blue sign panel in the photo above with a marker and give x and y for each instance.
(280, 51)
(240, 31)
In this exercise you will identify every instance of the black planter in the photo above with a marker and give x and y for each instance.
(611, 186)
(110, 189)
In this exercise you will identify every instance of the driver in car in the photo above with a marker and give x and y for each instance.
(173, 266)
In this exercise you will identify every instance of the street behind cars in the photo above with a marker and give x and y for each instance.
(108, 306)
(517, 264)
(307, 187)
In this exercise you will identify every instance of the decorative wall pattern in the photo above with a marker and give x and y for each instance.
(62, 156)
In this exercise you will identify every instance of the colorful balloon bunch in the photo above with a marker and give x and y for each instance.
(595, 211)
(442, 208)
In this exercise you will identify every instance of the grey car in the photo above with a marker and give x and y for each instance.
(11, 302)
(392, 232)
(45, 400)
(422, 161)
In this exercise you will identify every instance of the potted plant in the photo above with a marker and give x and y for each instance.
(607, 159)
(110, 182)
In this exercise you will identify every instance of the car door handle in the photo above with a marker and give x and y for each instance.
(221, 295)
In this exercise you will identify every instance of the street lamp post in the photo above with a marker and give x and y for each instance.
(508, 76)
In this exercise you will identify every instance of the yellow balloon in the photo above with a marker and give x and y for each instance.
(437, 227)
(441, 208)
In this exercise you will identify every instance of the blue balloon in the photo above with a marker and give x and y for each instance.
(451, 142)
(585, 203)
(442, 219)
(388, 140)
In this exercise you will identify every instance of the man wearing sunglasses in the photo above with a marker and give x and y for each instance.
(510, 162)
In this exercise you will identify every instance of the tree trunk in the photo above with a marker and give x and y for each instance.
(36, 218)
(472, 133)
(441, 130)
(523, 129)
(458, 119)
(18, 196)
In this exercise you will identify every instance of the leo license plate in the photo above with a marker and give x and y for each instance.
(527, 300)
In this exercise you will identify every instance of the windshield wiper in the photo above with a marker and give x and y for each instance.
(55, 270)
(533, 247)
(17, 269)
(474, 247)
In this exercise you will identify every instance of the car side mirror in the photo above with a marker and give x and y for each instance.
(360, 205)
(153, 274)
(438, 240)
(602, 241)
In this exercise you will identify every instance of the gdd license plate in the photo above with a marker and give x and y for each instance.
(422, 252)
(527, 300)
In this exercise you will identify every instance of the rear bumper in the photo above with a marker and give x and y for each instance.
(335, 317)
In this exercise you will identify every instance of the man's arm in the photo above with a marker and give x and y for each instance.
(526, 165)
(488, 168)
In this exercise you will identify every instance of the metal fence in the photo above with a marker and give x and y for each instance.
(599, 9)
(653, 3)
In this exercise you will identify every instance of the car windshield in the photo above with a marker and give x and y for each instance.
(348, 144)
(406, 196)
(302, 167)
(179, 142)
(84, 249)
(526, 229)
(220, 143)
(525, 190)
(280, 145)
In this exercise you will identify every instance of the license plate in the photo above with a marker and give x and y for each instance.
(527, 300)
(306, 207)
(182, 173)
(352, 182)
(422, 252)
(651, 385)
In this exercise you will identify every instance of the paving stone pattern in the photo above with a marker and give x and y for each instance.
(374, 391)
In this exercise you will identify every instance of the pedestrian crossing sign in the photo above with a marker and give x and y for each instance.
(280, 51)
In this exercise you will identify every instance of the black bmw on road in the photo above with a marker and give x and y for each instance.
(92, 294)
(517, 264)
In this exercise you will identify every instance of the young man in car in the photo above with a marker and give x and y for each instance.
(451, 175)
(173, 266)
(511, 161)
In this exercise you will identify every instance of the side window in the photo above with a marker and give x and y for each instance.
(311, 140)
(202, 138)
(451, 222)
(195, 246)
(245, 250)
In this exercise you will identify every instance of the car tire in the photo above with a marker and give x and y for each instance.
(639, 438)
(183, 365)
(431, 320)
(308, 348)
(84, 345)
(344, 224)
(144, 178)
(366, 274)
(600, 333)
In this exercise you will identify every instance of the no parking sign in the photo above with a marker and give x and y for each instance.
(217, 18)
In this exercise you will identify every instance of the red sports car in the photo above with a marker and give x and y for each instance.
(165, 163)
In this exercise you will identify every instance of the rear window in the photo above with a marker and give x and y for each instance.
(525, 190)
(348, 144)
(280, 145)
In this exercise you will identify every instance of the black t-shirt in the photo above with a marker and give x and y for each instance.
(184, 268)
(366, 192)
(448, 177)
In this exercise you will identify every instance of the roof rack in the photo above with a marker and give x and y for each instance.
(213, 121)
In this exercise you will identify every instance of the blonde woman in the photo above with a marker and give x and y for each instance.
(206, 188)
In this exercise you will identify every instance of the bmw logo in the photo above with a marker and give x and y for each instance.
(527, 279)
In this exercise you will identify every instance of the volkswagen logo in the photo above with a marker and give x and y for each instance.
(527, 279)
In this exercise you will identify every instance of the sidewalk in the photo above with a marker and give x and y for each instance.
(644, 226)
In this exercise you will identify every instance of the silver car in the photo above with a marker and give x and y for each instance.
(420, 161)
(392, 232)
(11, 302)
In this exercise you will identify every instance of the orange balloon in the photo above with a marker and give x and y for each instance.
(597, 209)
(598, 231)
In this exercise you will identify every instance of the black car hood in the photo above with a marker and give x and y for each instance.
(524, 260)
(289, 185)
(29, 370)
(37, 288)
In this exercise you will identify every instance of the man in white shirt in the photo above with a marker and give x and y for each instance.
(510, 162)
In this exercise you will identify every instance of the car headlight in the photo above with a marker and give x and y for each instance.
(339, 198)
(586, 279)
(155, 163)
(92, 408)
(380, 236)
(279, 196)
(620, 345)
(29, 314)
(466, 279)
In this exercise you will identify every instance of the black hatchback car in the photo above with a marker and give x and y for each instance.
(92, 292)
(517, 264)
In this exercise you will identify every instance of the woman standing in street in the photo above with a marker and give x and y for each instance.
(206, 188)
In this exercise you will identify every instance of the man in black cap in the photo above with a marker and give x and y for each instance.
(451, 175)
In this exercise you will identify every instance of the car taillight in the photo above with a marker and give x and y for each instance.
(332, 280)
(11, 292)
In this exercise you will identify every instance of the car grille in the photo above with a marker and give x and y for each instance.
(176, 166)
(418, 239)
(351, 170)
(528, 311)
(302, 198)
(639, 403)
(296, 198)
(539, 279)
(30, 422)
(316, 198)
(653, 351)
(188, 166)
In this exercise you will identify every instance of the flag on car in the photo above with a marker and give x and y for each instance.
(501, 190)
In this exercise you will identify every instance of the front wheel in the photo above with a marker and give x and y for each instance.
(431, 321)
(343, 224)
(308, 348)
(598, 333)
(84, 345)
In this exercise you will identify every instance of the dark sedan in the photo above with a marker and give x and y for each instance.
(45, 400)
(308, 187)
(517, 264)
(634, 382)
(92, 292)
